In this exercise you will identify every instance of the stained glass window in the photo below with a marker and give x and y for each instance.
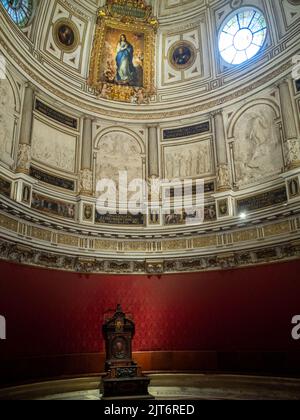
(20, 11)
(242, 36)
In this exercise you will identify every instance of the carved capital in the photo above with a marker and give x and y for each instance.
(283, 81)
(213, 114)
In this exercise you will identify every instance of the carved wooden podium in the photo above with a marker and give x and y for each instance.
(124, 379)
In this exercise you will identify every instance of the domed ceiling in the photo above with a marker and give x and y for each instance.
(133, 132)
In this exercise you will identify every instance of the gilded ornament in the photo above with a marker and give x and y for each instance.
(122, 61)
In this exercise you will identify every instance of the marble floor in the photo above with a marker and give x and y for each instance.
(168, 387)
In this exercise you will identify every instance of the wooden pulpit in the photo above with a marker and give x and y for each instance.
(124, 378)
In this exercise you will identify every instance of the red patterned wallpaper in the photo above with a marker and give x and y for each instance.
(51, 313)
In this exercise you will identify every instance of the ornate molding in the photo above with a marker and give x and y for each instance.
(156, 115)
(52, 247)
(21, 254)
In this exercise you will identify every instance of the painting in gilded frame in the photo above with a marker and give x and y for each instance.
(122, 62)
(123, 58)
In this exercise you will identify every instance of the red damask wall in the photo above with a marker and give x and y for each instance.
(58, 313)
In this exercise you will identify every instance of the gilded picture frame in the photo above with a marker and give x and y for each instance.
(122, 61)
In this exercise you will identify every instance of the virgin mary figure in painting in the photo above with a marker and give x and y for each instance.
(126, 72)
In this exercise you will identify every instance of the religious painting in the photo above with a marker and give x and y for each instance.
(123, 58)
(119, 348)
(223, 209)
(182, 55)
(122, 62)
(88, 213)
(66, 35)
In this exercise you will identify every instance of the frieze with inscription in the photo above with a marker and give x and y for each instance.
(48, 205)
(67, 184)
(172, 192)
(56, 115)
(263, 200)
(121, 219)
(186, 131)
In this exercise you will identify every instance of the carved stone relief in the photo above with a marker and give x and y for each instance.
(257, 146)
(23, 158)
(86, 181)
(189, 160)
(119, 151)
(53, 147)
(7, 107)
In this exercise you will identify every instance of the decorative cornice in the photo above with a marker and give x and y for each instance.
(264, 255)
(149, 113)
(52, 247)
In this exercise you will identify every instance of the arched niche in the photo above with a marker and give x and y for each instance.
(119, 149)
(9, 113)
(257, 145)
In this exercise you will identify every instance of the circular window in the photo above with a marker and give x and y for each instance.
(20, 11)
(242, 36)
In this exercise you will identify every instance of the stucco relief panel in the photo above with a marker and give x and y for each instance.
(7, 121)
(118, 151)
(189, 160)
(52, 147)
(257, 145)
